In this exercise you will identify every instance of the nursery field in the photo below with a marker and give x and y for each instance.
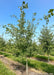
(36, 64)
(27, 38)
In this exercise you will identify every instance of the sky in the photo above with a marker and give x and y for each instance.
(10, 7)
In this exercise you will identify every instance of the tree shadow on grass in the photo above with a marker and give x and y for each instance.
(22, 68)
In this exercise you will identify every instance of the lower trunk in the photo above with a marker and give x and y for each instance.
(48, 58)
(26, 67)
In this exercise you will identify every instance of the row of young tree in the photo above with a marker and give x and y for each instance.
(23, 32)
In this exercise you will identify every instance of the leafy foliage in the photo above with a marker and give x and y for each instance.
(23, 32)
(2, 44)
(46, 39)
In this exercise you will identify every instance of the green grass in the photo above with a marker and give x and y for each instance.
(5, 54)
(36, 56)
(4, 70)
(44, 57)
(52, 53)
(39, 65)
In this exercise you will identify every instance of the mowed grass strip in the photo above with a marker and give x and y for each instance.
(51, 58)
(4, 70)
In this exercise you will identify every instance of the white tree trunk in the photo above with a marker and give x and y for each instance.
(26, 67)
(48, 58)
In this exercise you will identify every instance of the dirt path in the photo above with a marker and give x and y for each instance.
(18, 68)
(51, 62)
